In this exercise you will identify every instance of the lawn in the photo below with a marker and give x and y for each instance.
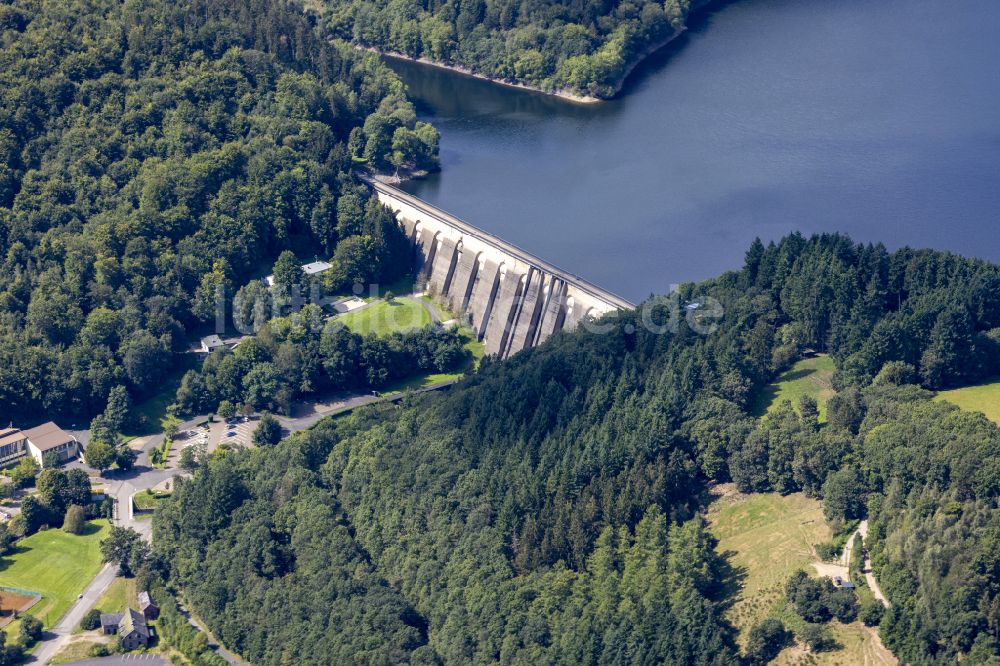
(120, 594)
(766, 538)
(57, 565)
(148, 500)
(983, 398)
(811, 376)
(384, 318)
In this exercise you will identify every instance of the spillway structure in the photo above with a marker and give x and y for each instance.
(511, 299)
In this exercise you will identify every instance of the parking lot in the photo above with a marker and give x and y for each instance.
(238, 432)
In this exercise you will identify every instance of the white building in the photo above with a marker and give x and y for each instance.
(210, 343)
(314, 268)
(37, 442)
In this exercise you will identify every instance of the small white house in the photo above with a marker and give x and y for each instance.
(314, 268)
(210, 343)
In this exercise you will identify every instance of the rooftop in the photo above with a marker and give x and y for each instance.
(315, 267)
(133, 621)
(9, 436)
(212, 341)
(48, 436)
(312, 268)
(111, 619)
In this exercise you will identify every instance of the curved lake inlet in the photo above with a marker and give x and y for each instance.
(881, 120)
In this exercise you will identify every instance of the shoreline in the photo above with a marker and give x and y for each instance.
(566, 95)
(465, 71)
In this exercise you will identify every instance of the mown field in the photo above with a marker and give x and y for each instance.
(983, 398)
(57, 565)
(811, 376)
(386, 317)
(766, 538)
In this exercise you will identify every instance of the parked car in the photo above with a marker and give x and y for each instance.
(231, 433)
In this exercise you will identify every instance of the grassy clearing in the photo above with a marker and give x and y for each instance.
(146, 417)
(810, 376)
(385, 318)
(474, 347)
(78, 650)
(120, 594)
(983, 398)
(57, 565)
(444, 314)
(767, 537)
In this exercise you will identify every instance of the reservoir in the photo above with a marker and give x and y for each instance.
(881, 120)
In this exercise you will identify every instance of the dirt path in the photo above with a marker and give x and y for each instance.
(869, 576)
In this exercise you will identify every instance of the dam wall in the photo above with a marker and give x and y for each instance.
(511, 299)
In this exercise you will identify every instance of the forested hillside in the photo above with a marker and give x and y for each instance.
(581, 47)
(546, 510)
(151, 152)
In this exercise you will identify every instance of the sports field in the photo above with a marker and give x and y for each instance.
(57, 565)
(386, 317)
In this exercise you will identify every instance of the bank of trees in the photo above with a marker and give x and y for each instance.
(152, 154)
(546, 509)
(584, 47)
(931, 474)
(63, 498)
(301, 354)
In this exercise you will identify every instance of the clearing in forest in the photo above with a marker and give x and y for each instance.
(983, 398)
(387, 317)
(811, 376)
(766, 537)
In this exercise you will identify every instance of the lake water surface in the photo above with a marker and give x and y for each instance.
(879, 119)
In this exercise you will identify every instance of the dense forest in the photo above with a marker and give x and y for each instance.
(152, 153)
(581, 47)
(547, 509)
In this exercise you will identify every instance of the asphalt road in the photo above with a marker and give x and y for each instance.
(54, 640)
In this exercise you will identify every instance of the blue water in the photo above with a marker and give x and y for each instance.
(879, 119)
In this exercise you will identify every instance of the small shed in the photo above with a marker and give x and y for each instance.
(210, 343)
(149, 610)
(110, 622)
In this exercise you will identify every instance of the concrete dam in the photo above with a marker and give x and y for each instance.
(512, 299)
